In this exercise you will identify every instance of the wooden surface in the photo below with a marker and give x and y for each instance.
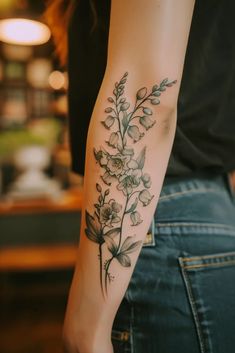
(40, 257)
(70, 200)
(30, 258)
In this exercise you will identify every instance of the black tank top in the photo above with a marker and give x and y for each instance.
(205, 133)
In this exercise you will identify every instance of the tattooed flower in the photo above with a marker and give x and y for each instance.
(145, 197)
(126, 170)
(108, 122)
(134, 132)
(108, 213)
(113, 140)
(129, 181)
(117, 164)
(107, 178)
(133, 164)
(101, 157)
(135, 218)
(146, 180)
(147, 121)
(128, 151)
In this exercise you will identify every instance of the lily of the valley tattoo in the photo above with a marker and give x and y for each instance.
(124, 169)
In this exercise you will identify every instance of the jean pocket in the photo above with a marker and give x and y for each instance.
(121, 341)
(210, 287)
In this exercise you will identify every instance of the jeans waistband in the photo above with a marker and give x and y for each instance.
(205, 182)
(200, 205)
(202, 200)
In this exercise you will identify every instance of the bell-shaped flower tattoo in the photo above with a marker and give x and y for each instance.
(122, 169)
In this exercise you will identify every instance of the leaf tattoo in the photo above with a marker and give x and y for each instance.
(122, 168)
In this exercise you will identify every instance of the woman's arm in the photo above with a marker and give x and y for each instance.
(129, 142)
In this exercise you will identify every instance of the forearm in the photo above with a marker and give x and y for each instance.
(129, 142)
(122, 186)
(125, 167)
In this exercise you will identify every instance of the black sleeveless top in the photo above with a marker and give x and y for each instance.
(205, 134)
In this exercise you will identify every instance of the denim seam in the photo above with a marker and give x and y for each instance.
(193, 306)
(224, 263)
(132, 350)
(221, 255)
(190, 191)
(229, 230)
(193, 224)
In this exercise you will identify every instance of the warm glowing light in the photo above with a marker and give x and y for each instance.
(17, 52)
(6, 4)
(38, 71)
(24, 32)
(57, 80)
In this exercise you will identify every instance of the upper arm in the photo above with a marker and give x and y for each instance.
(149, 37)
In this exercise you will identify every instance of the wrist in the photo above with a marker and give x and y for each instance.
(87, 342)
(86, 334)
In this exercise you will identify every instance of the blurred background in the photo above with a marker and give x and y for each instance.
(40, 199)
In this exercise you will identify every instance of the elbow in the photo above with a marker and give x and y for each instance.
(167, 108)
(166, 117)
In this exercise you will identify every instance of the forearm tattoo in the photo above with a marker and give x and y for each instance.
(123, 168)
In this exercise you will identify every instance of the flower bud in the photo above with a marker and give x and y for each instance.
(124, 106)
(135, 218)
(108, 121)
(147, 111)
(141, 93)
(156, 94)
(108, 110)
(113, 140)
(155, 101)
(134, 132)
(98, 187)
(146, 180)
(145, 197)
(147, 121)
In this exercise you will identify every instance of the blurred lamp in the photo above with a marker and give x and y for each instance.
(38, 71)
(57, 80)
(23, 32)
(17, 52)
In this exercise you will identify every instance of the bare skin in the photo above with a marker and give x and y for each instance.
(126, 160)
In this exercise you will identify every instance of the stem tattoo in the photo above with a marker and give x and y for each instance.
(121, 167)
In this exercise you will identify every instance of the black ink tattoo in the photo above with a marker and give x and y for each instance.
(122, 167)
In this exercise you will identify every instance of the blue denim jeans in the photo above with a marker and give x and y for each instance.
(181, 297)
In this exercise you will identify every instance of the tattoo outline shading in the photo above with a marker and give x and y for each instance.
(105, 226)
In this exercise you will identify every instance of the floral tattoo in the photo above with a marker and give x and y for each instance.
(121, 167)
